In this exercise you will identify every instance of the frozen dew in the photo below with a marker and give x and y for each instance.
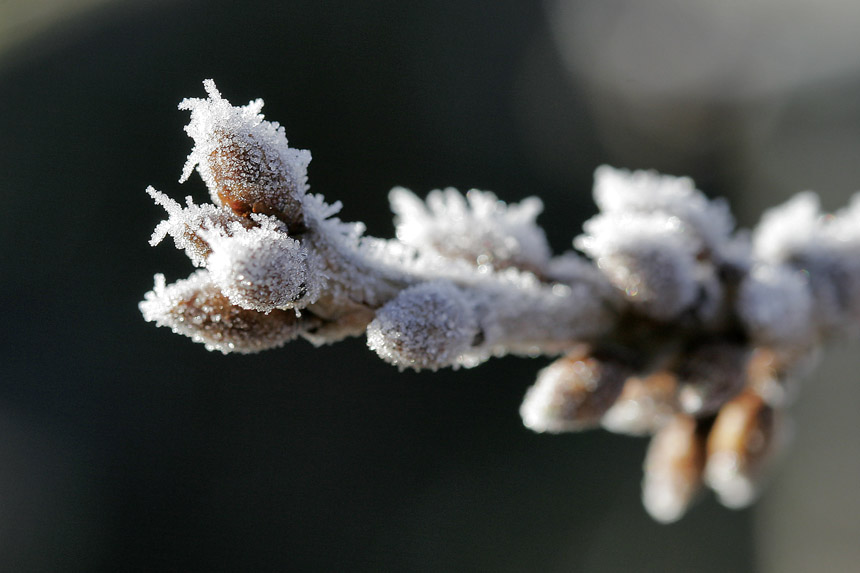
(478, 227)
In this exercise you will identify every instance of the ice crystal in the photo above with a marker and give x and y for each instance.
(674, 324)
(478, 227)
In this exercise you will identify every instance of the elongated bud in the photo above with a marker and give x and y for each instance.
(673, 469)
(246, 161)
(710, 374)
(573, 393)
(742, 439)
(644, 406)
(425, 326)
(194, 307)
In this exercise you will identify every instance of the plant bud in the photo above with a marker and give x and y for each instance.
(246, 161)
(425, 326)
(742, 439)
(262, 269)
(194, 307)
(573, 393)
(673, 469)
(644, 406)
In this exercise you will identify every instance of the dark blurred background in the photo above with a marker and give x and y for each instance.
(125, 447)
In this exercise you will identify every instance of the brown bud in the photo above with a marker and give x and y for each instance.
(194, 307)
(644, 406)
(673, 469)
(250, 177)
(573, 393)
(741, 440)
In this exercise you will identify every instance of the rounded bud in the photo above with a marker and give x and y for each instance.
(429, 325)
(658, 282)
(262, 269)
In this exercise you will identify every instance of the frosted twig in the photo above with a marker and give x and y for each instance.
(675, 324)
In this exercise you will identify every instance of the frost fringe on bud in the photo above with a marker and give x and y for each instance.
(675, 324)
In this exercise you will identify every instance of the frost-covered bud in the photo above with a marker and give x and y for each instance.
(709, 374)
(744, 438)
(658, 282)
(824, 248)
(430, 325)
(650, 258)
(477, 228)
(244, 160)
(196, 308)
(573, 393)
(644, 406)
(775, 305)
(262, 269)
(673, 469)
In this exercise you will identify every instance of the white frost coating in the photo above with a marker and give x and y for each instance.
(478, 227)
(425, 326)
(263, 268)
(264, 143)
(622, 191)
(775, 304)
(181, 224)
(788, 228)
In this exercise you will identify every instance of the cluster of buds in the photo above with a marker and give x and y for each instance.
(673, 325)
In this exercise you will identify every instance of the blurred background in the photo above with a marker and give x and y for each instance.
(125, 447)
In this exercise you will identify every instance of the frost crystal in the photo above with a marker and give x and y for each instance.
(478, 227)
(674, 325)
